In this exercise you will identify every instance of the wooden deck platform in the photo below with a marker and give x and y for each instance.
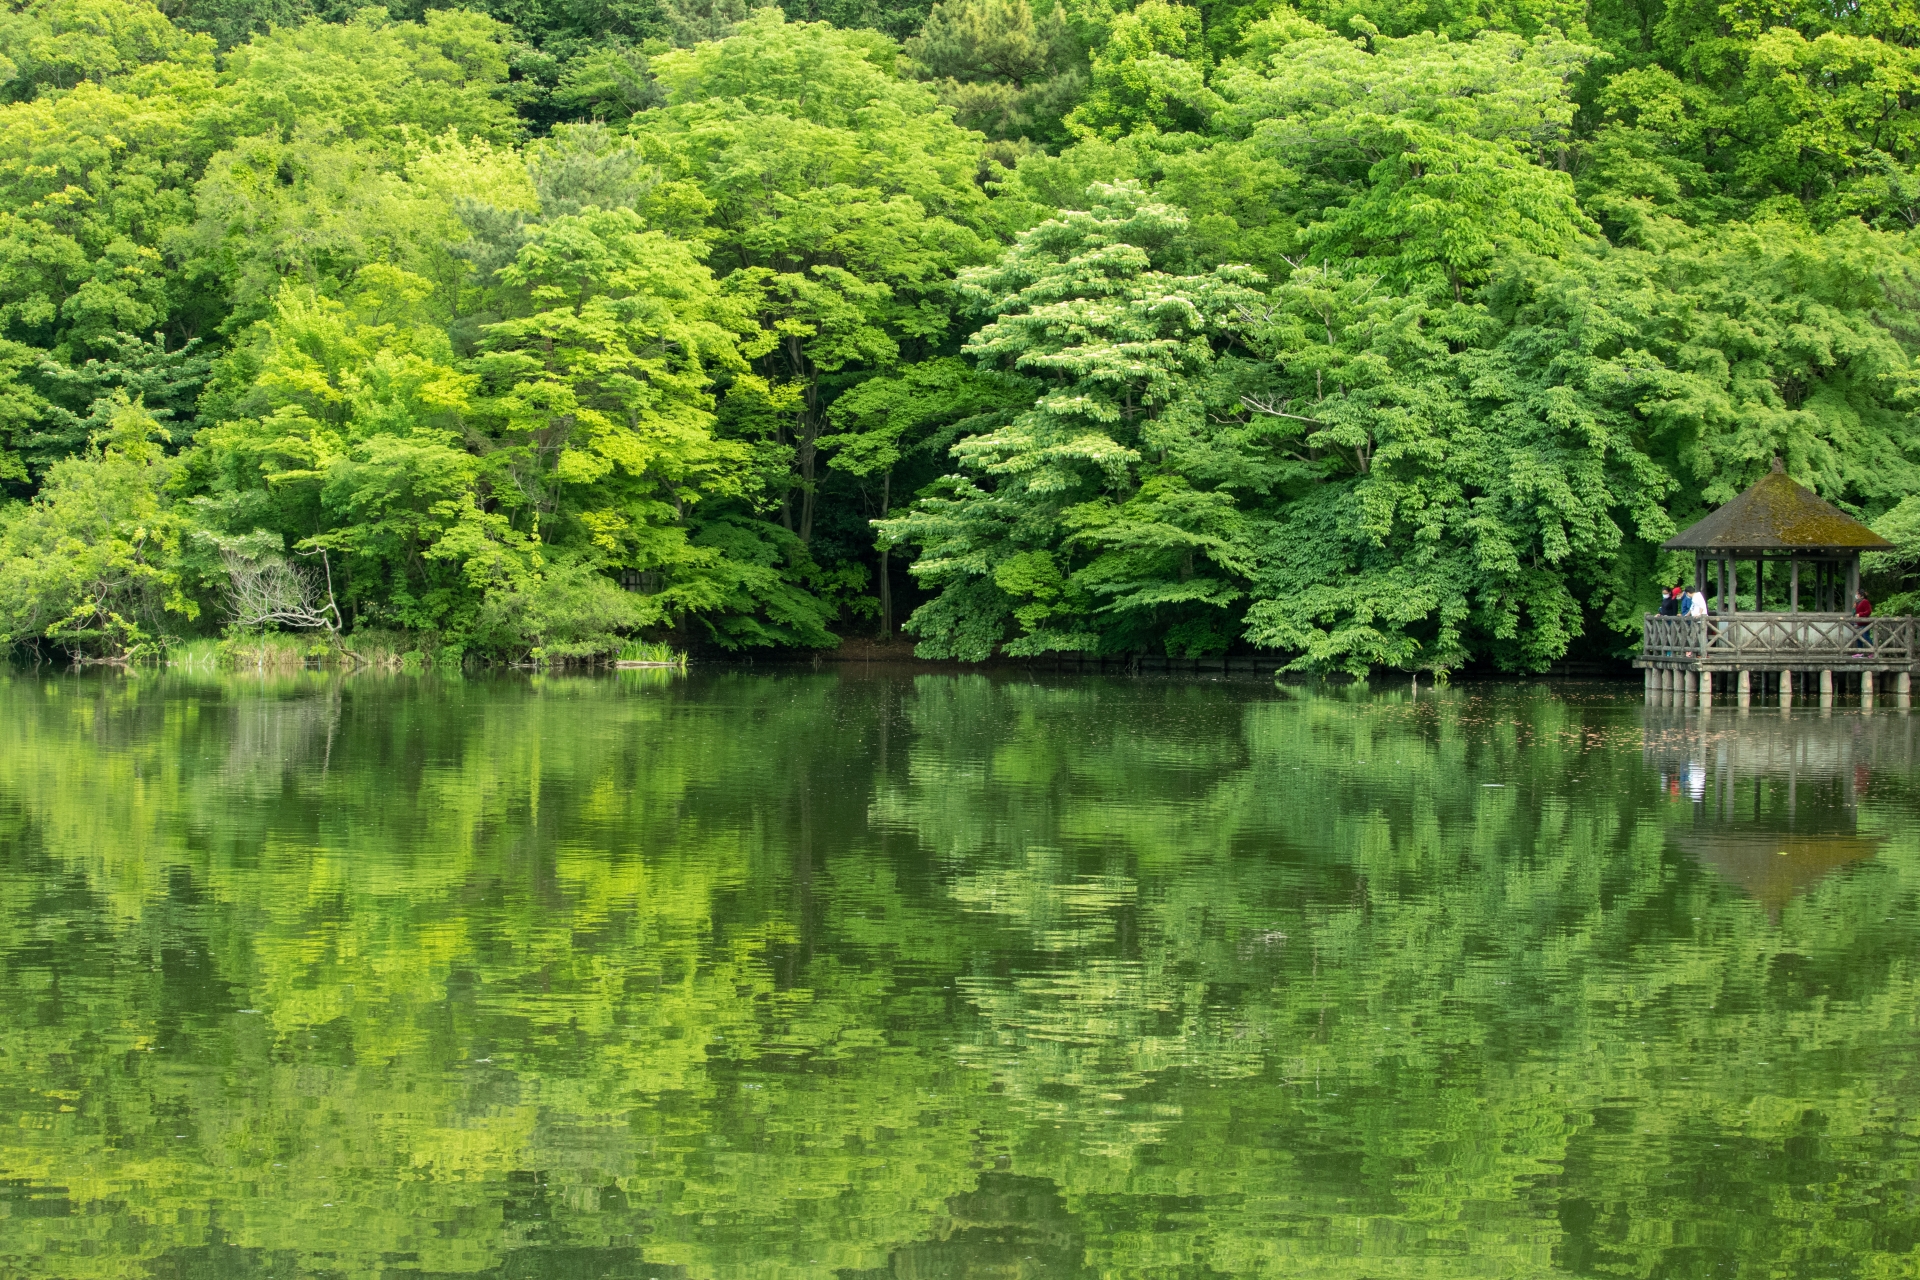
(1778, 656)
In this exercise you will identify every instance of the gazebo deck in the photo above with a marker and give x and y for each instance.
(1778, 657)
(1750, 641)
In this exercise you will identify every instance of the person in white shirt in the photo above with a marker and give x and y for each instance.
(1696, 608)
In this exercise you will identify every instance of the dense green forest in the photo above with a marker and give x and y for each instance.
(1370, 332)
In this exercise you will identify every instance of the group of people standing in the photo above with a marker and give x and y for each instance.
(1682, 602)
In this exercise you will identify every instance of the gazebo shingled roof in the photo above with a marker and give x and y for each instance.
(1778, 514)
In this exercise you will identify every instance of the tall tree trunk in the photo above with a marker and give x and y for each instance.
(808, 450)
(886, 584)
(809, 435)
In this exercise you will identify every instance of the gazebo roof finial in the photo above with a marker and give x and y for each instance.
(1779, 467)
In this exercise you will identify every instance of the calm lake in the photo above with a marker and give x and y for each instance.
(865, 973)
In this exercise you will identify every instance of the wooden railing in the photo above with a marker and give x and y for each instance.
(1778, 638)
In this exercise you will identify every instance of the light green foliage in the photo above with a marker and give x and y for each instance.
(651, 651)
(349, 438)
(94, 564)
(1152, 75)
(1816, 128)
(372, 79)
(92, 182)
(601, 387)
(326, 122)
(599, 406)
(1459, 19)
(55, 45)
(1435, 145)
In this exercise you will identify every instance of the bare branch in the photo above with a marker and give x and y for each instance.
(1269, 409)
(266, 590)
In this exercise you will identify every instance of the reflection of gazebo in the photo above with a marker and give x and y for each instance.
(1771, 802)
(1801, 557)
(1774, 866)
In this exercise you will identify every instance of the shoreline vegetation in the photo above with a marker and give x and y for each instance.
(278, 652)
(1355, 336)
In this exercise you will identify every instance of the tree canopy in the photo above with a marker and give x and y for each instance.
(1365, 334)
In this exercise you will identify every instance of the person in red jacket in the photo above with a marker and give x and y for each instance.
(1863, 608)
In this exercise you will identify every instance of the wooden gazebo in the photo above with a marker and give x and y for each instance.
(1796, 557)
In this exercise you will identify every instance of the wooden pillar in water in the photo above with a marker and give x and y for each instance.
(1866, 690)
(1743, 690)
(1786, 690)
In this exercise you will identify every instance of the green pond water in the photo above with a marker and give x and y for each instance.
(865, 973)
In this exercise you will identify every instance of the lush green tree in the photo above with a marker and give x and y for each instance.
(1104, 516)
(101, 557)
(1472, 481)
(1424, 152)
(1151, 75)
(841, 205)
(56, 45)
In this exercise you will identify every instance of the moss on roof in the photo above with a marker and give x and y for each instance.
(1778, 514)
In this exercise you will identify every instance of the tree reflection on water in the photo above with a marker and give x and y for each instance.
(936, 975)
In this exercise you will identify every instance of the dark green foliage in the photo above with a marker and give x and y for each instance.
(1005, 70)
